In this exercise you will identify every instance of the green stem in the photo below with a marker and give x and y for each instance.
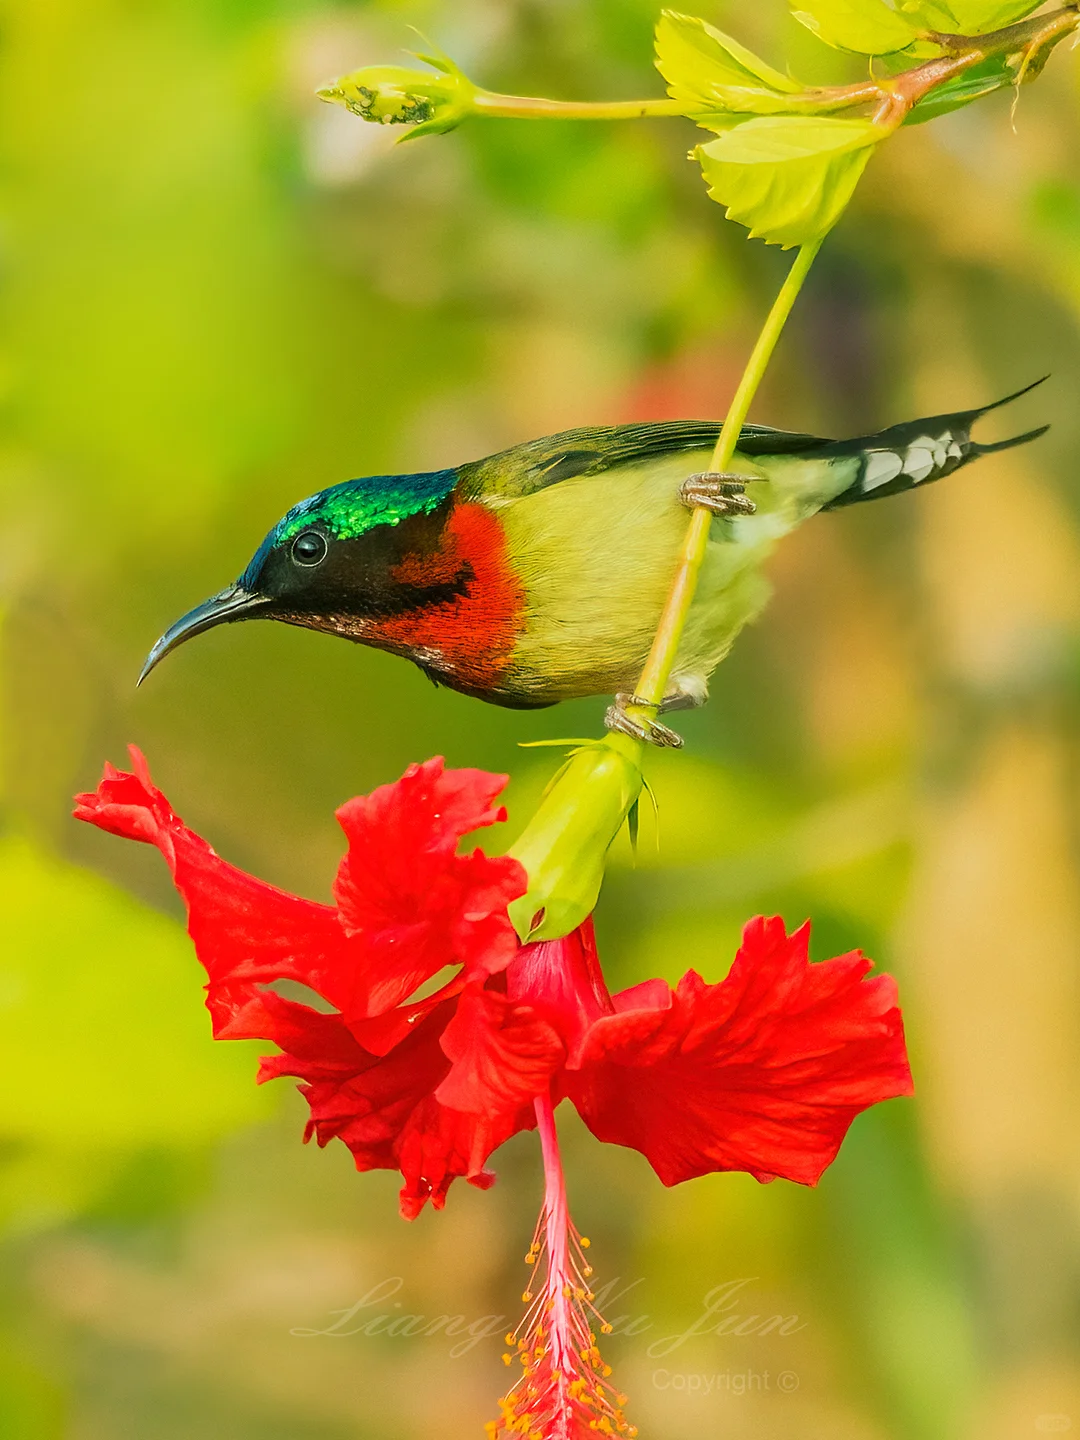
(658, 667)
(533, 107)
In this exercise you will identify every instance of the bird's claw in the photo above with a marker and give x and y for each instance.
(720, 494)
(640, 727)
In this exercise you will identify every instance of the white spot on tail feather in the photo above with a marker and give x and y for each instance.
(918, 462)
(881, 467)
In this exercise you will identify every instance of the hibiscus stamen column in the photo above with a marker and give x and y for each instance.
(563, 1391)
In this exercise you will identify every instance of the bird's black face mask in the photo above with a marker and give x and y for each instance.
(314, 579)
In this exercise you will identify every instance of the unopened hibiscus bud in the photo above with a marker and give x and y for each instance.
(564, 845)
(394, 95)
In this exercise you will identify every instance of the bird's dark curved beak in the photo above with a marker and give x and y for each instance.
(232, 603)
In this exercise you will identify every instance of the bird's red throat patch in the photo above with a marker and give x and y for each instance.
(471, 635)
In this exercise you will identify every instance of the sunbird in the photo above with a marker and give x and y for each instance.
(539, 574)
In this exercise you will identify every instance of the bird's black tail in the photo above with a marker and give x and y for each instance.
(919, 452)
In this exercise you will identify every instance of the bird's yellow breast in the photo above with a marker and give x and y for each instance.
(596, 556)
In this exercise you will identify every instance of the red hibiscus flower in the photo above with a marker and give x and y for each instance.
(762, 1072)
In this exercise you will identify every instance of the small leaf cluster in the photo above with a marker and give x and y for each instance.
(875, 27)
(787, 157)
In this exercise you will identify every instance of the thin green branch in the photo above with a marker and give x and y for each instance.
(431, 103)
(652, 686)
(532, 107)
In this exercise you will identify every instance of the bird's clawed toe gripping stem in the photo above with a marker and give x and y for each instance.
(719, 493)
(640, 727)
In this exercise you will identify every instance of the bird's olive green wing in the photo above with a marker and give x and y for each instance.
(596, 449)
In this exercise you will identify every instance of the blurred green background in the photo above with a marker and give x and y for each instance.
(219, 295)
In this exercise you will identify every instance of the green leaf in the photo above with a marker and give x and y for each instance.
(995, 73)
(869, 27)
(708, 71)
(976, 17)
(788, 178)
(879, 27)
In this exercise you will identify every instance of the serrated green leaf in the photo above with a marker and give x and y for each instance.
(788, 178)
(707, 70)
(881, 27)
(868, 27)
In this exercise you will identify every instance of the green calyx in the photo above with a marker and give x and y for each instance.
(395, 95)
(564, 847)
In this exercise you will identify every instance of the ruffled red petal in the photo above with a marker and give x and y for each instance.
(763, 1072)
(416, 903)
(247, 933)
(386, 1108)
(404, 914)
(502, 1054)
(562, 980)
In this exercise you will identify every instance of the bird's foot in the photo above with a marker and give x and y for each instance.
(720, 494)
(640, 727)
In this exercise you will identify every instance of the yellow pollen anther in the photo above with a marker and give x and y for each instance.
(605, 1329)
(585, 1242)
(526, 1295)
(511, 1339)
(587, 1270)
(507, 1359)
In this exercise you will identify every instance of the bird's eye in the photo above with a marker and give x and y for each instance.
(309, 548)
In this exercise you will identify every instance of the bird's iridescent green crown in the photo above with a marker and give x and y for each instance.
(354, 507)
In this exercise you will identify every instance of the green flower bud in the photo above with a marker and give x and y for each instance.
(394, 95)
(564, 846)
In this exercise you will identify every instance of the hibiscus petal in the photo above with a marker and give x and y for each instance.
(384, 1108)
(763, 1072)
(416, 903)
(405, 913)
(563, 981)
(246, 933)
(410, 906)
(503, 1054)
